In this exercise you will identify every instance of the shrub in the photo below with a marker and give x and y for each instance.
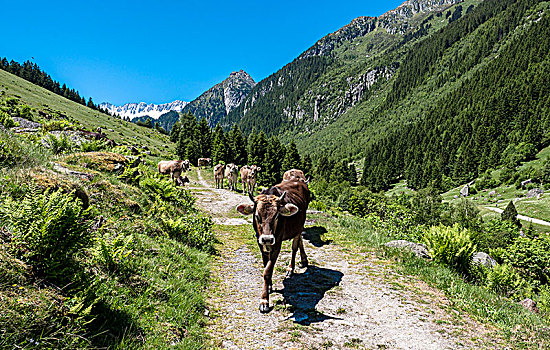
(57, 125)
(497, 233)
(15, 152)
(93, 146)
(48, 230)
(505, 280)
(195, 231)
(531, 256)
(112, 250)
(6, 120)
(61, 144)
(165, 190)
(452, 246)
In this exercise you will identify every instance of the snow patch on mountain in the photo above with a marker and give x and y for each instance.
(134, 110)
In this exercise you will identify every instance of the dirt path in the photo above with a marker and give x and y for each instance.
(522, 217)
(344, 300)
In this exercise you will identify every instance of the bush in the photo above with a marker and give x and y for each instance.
(6, 120)
(14, 152)
(61, 144)
(531, 256)
(57, 125)
(505, 280)
(194, 231)
(93, 146)
(166, 191)
(497, 233)
(452, 246)
(112, 250)
(48, 230)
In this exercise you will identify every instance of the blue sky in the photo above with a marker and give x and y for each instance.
(160, 51)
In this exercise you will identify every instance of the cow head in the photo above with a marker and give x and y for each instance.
(266, 210)
(253, 171)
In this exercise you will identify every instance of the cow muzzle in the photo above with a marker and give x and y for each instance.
(266, 240)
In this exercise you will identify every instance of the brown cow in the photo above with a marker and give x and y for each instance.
(231, 172)
(218, 175)
(249, 175)
(204, 162)
(295, 175)
(174, 168)
(279, 215)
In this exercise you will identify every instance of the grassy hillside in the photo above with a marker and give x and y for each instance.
(116, 129)
(96, 249)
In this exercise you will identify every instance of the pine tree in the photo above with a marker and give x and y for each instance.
(510, 214)
(204, 138)
(238, 146)
(292, 158)
(273, 161)
(219, 146)
(307, 165)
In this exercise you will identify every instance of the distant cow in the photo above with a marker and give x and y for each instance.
(218, 175)
(249, 175)
(231, 174)
(279, 215)
(204, 162)
(173, 167)
(295, 175)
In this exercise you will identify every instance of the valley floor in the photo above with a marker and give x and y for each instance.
(345, 298)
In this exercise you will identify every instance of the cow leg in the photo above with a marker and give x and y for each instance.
(303, 255)
(268, 277)
(295, 246)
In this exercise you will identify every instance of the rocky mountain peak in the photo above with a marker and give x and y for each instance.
(394, 22)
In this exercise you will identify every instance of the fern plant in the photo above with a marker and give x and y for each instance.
(195, 231)
(452, 246)
(48, 230)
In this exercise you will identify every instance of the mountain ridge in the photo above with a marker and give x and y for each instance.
(142, 109)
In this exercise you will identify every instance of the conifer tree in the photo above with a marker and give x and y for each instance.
(219, 146)
(292, 158)
(273, 161)
(204, 138)
(238, 145)
(510, 214)
(307, 165)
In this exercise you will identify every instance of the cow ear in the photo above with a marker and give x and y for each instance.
(258, 168)
(288, 209)
(245, 209)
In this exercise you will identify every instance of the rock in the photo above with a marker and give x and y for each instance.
(26, 124)
(455, 196)
(530, 305)
(492, 193)
(500, 201)
(535, 192)
(481, 258)
(62, 170)
(418, 249)
(526, 182)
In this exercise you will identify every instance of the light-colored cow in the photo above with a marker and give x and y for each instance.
(175, 168)
(295, 175)
(249, 174)
(218, 175)
(231, 174)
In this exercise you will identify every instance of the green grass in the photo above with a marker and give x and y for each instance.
(521, 328)
(123, 132)
(150, 295)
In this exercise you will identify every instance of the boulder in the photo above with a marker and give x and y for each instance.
(492, 193)
(535, 192)
(526, 182)
(464, 191)
(529, 304)
(418, 249)
(481, 258)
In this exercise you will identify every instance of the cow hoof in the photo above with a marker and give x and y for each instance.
(264, 308)
(304, 264)
(289, 271)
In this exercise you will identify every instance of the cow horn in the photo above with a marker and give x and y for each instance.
(282, 196)
(251, 197)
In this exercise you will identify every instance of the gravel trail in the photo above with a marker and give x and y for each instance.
(345, 299)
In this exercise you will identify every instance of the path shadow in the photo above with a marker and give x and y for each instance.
(304, 291)
(313, 235)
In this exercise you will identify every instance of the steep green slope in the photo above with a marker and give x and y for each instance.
(116, 129)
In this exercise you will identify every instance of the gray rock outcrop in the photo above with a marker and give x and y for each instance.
(464, 191)
(535, 192)
(481, 258)
(530, 305)
(418, 249)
